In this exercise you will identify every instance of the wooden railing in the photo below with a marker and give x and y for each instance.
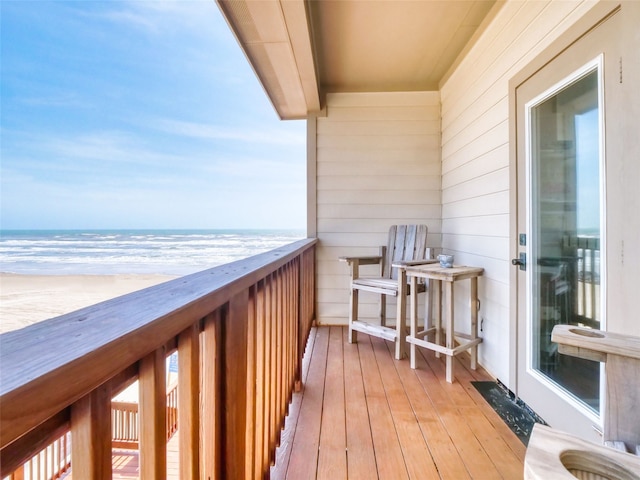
(54, 460)
(586, 277)
(125, 418)
(239, 330)
(172, 411)
(50, 463)
(124, 425)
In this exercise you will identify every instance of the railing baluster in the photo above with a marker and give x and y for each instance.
(268, 378)
(273, 375)
(188, 402)
(259, 458)
(251, 369)
(91, 435)
(278, 372)
(152, 417)
(287, 337)
(592, 283)
(235, 365)
(212, 405)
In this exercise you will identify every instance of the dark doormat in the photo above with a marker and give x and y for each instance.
(515, 413)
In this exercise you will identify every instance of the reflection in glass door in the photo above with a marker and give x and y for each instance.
(565, 228)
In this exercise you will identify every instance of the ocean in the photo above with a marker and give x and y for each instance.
(104, 252)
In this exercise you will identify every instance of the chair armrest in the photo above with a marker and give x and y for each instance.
(356, 262)
(410, 263)
(368, 260)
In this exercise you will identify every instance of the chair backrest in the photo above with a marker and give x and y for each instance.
(406, 242)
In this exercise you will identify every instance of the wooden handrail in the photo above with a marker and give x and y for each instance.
(239, 329)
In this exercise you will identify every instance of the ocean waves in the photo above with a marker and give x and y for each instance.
(172, 252)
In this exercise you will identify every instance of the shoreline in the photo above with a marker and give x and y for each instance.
(26, 299)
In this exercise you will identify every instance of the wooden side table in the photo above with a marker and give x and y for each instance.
(443, 279)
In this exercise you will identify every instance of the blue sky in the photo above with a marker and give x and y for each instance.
(139, 114)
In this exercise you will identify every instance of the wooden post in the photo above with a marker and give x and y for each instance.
(260, 457)
(188, 403)
(212, 402)
(250, 414)
(91, 435)
(235, 366)
(280, 382)
(153, 412)
(273, 374)
(18, 474)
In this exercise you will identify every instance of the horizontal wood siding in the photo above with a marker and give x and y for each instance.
(378, 164)
(475, 156)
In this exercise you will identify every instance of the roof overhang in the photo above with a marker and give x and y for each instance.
(276, 38)
(303, 49)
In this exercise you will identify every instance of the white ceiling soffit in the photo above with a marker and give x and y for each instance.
(391, 45)
(276, 38)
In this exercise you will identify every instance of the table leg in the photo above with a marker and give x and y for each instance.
(428, 306)
(438, 286)
(449, 340)
(401, 317)
(474, 320)
(414, 320)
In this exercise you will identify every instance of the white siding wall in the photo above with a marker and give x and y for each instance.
(378, 164)
(475, 156)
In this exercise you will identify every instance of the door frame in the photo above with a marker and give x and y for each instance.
(589, 21)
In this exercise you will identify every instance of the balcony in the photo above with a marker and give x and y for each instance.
(251, 402)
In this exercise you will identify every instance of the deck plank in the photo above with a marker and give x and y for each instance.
(399, 422)
(466, 401)
(361, 461)
(419, 463)
(513, 442)
(304, 453)
(496, 448)
(387, 449)
(440, 445)
(283, 453)
(471, 452)
(332, 455)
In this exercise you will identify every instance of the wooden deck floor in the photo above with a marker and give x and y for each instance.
(363, 415)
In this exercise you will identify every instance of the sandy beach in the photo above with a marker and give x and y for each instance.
(27, 299)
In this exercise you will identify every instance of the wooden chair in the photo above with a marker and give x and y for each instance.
(407, 245)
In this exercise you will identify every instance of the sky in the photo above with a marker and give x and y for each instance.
(139, 114)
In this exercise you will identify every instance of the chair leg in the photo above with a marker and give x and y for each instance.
(428, 308)
(353, 316)
(383, 310)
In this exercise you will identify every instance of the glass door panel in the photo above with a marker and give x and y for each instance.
(565, 229)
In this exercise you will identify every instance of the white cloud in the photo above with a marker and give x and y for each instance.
(161, 16)
(266, 136)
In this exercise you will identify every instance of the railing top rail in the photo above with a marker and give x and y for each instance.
(49, 365)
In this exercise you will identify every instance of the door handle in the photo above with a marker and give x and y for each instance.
(521, 261)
